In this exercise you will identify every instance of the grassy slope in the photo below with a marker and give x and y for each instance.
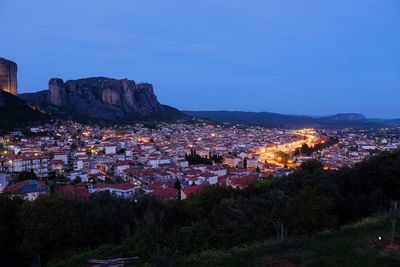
(351, 246)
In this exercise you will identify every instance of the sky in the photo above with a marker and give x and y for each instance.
(307, 57)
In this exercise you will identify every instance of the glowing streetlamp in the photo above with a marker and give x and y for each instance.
(12, 166)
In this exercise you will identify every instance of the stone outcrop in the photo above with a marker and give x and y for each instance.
(8, 76)
(102, 97)
(56, 95)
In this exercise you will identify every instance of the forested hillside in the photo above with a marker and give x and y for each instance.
(218, 218)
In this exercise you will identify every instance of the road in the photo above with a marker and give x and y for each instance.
(270, 154)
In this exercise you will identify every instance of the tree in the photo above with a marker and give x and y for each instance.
(11, 254)
(391, 187)
(48, 227)
(178, 187)
(77, 180)
(278, 201)
(25, 175)
(312, 166)
(305, 149)
(310, 211)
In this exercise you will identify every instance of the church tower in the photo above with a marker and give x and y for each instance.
(8, 76)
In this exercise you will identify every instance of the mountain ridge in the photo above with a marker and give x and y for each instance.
(270, 119)
(102, 98)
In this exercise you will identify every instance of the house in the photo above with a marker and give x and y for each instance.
(187, 191)
(210, 178)
(78, 191)
(123, 190)
(29, 189)
(155, 162)
(232, 160)
(61, 156)
(183, 163)
(218, 170)
(39, 164)
(242, 182)
(56, 166)
(162, 190)
(74, 175)
(110, 148)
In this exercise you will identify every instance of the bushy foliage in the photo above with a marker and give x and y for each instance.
(305, 202)
(193, 158)
(307, 150)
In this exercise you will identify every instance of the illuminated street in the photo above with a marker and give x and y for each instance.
(272, 154)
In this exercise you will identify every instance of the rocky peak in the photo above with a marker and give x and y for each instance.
(103, 97)
(57, 95)
(348, 117)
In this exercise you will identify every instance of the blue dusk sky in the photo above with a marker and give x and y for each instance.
(307, 57)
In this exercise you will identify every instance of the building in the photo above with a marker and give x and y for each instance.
(123, 190)
(29, 189)
(38, 164)
(8, 76)
(78, 191)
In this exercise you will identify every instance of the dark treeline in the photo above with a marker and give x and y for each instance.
(193, 158)
(306, 202)
(307, 150)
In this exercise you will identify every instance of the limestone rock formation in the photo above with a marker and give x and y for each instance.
(56, 95)
(8, 76)
(102, 97)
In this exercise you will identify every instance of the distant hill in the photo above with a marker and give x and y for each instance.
(269, 119)
(393, 122)
(15, 112)
(102, 99)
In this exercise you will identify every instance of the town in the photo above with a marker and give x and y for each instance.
(171, 161)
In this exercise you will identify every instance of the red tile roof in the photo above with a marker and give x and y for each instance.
(192, 189)
(78, 191)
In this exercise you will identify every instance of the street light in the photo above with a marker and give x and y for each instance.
(12, 166)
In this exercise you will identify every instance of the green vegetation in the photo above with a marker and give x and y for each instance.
(307, 151)
(218, 226)
(193, 158)
(353, 245)
(25, 175)
(16, 113)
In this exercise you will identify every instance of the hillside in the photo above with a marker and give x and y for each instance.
(15, 112)
(269, 119)
(352, 245)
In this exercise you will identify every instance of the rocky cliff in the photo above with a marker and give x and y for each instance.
(100, 97)
(8, 76)
(103, 97)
